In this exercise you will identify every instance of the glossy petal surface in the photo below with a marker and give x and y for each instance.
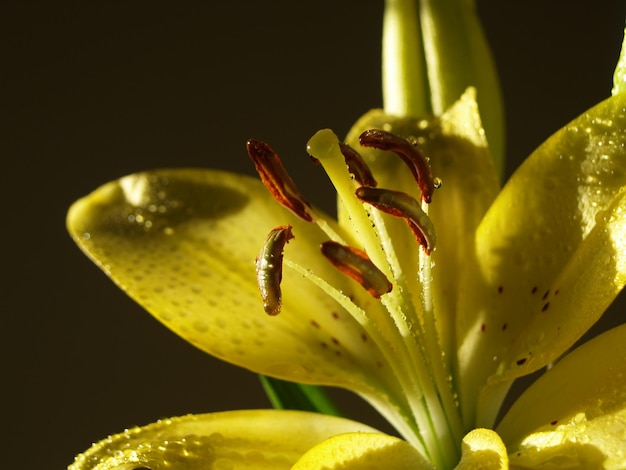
(619, 76)
(575, 414)
(363, 451)
(550, 252)
(182, 243)
(483, 450)
(265, 439)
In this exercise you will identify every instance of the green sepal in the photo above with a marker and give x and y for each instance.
(285, 395)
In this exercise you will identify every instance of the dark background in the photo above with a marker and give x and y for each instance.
(95, 90)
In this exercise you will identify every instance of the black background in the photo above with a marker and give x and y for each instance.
(95, 90)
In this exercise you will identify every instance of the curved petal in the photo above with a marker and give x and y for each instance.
(550, 254)
(252, 439)
(579, 443)
(469, 186)
(182, 243)
(483, 449)
(619, 76)
(360, 451)
(575, 412)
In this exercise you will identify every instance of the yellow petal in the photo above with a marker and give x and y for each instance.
(580, 443)
(254, 439)
(574, 414)
(362, 451)
(550, 254)
(619, 76)
(182, 243)
(483, 450)
(469, 185)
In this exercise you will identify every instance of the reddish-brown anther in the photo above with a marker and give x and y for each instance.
(409, 153)
(356, 264)
(400, 204)
(357, 166)
(276, 179)
(269, 268)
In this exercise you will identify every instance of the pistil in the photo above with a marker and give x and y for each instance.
(417, 375)
(402, 205)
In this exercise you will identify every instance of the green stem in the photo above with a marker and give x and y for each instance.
(286, 395)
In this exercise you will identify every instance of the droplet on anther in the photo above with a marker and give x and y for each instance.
(276, 179)
(400, 204)
(409, 153)
(269, 268)
(356, 264)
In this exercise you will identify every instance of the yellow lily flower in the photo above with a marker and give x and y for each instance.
(430, 323)
(512, 282)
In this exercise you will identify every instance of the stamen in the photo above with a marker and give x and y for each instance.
(402, 205)
(412, 156)
(276, 178)
(269, 268)
(357, 265)
(357, 166)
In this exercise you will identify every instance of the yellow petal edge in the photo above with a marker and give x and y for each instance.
(575, 414)
(250, 439)
(363, 451)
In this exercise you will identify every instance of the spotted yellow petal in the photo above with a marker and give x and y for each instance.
(574, 414)
(483, 449)
(362, 451)
(183, 244)
(251, 439)
(550, 255)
